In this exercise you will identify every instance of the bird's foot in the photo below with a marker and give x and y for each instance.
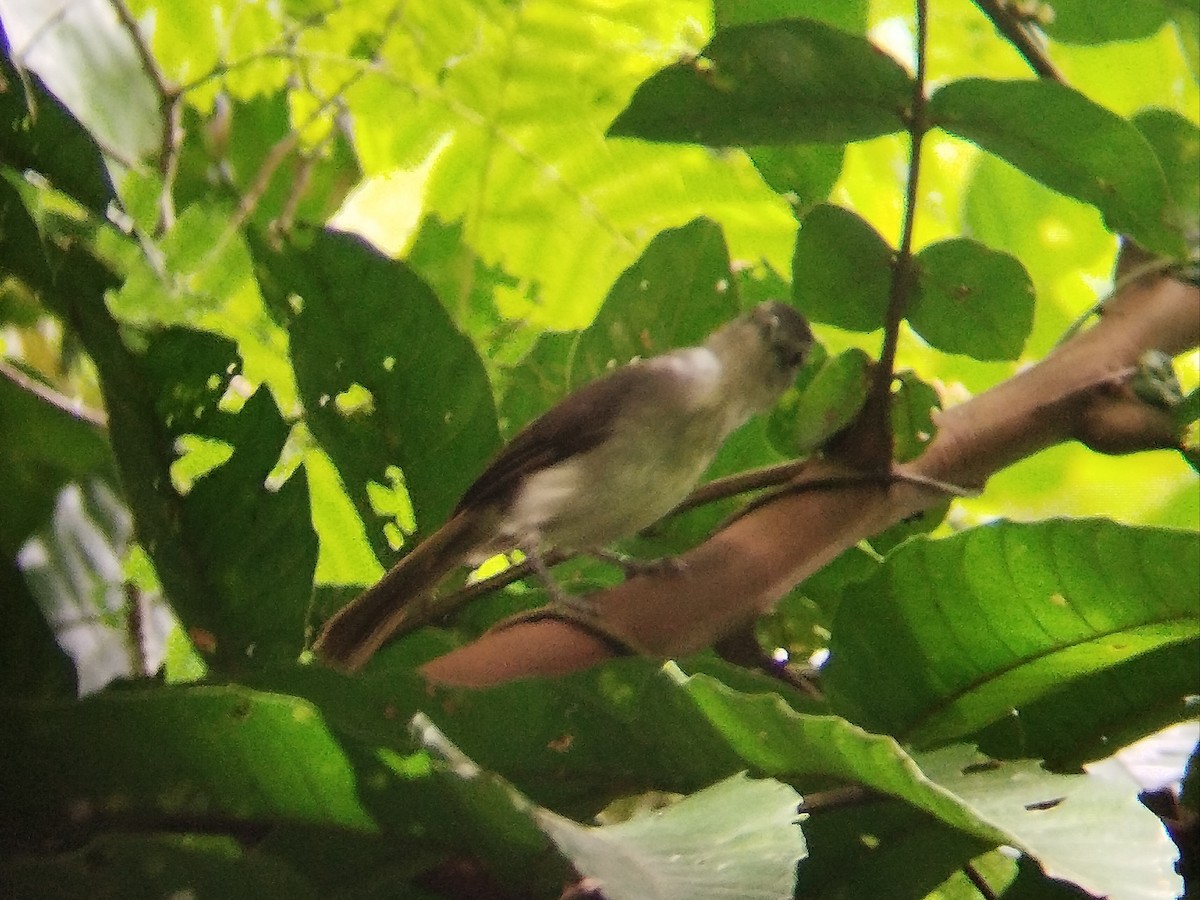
(631, 566)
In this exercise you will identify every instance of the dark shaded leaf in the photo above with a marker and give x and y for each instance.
(156, 865)
(255, 544)
(31, 662)
(368, 330)
(784, 82)
(153, 748)
(42, 447)
(37, 132)
(841, 269)
(825, 405)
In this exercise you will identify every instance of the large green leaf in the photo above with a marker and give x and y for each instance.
(826, 404)
(973, 300)
(1015, 803)
(783, 82)
(51, 142)
(385, 378)
(254, 542)
(679, 290)
(1088, 718)
(177, 754)
(155, 865)
(950, 635)
(1069, 143)
(736, 838)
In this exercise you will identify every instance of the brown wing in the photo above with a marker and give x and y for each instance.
(574, 425)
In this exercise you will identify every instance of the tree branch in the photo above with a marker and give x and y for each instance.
(48, 395)
(868, 443)
(1078, 392)
(170, 105)
(1022, 36)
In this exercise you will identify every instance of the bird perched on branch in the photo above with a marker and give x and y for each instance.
(607, 461)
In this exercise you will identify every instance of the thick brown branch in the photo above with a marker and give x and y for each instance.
(744, 569)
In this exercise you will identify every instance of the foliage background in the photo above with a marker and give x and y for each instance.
(282, 404)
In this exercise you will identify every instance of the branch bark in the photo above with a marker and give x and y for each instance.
(1078, 392)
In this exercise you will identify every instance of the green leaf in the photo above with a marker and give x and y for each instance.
(1188, 409)
(255, 543)
(364, 320)
(1056, 135)
(841, 269)
(1176, 142)
(151, 756)
(49, 140)
(1001, 803)
(737, 838)
(1043, 814)
(783, 82)
(849, 15)
(805, 174)
(1090, 717)
(972, 300)
(42, 447)
(827, 403)
(914, 403)
(680, 289)
(1101, 21)
(31, 662)
(951, 635)
(156, 865)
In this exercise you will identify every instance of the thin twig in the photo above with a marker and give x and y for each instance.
(741, 483)
(1022, 36)
(981, 885)
(876, 414)
(51, 397)
(170, 104)
(836, 798)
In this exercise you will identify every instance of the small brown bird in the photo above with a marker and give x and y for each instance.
(607, 461)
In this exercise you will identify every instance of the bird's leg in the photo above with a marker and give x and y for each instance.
(632, 566)
(572, 604)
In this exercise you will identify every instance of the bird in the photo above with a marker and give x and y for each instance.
(605, 462)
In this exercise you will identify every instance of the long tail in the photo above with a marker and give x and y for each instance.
(353, 634)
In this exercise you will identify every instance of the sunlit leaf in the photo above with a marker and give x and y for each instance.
(1072, 145)
(737, 837)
